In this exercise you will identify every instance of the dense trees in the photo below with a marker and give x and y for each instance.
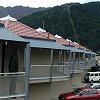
(78, 22)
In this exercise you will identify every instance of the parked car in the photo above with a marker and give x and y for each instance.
(94, 85)
(83, 93)
(92, 76)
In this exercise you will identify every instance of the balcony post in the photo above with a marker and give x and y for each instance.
(70, 60)
(27, 69)
(91, 59)
(73, 64)
(60, 56)
(84, 60)
(79, 59)
(51, 67)
(74, 60)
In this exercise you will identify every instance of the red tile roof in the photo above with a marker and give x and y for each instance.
(79, 46)
(62, 41)
(59, 40)
(24, 30)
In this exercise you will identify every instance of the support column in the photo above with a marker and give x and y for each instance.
(27, 70)
(84, 60)
(70, 61)
(51, 67)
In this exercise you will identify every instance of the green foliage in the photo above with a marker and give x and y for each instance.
(84, 18)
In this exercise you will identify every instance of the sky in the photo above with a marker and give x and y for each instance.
(39, 3)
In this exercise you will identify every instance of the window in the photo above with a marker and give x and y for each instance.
(76, 91)
(97, 86)
(93, 92)
(96, 74)
(85, 92)
(91, 75)
(89, 85)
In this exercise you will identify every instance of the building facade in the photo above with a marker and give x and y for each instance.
(48, 65)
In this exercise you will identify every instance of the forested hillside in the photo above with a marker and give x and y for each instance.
(18, 11)
(78, 22)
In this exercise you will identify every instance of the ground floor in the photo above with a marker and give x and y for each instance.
(51, 90)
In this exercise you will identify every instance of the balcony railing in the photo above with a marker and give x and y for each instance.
(77, 67)
(46, 72)
(93, 62)
(12, 85)
(89, 64)
(40, 72)
(60, 71)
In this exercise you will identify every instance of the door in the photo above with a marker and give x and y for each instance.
(92, 77)
(93, 94)
(84, 95)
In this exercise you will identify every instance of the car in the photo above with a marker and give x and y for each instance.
(94, 85)
(82, 93)
(92, 76)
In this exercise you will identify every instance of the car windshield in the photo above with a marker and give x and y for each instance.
(87, 75)
(89, 85)
(76, 91)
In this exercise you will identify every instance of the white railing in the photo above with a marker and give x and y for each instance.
(61, 70)
(77, 66)
(40, 71)
(12, 85)
(90, 63)
(93, 62)
(48, 72)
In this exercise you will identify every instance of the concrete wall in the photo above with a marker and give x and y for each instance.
(51, 90)
(40, 91)
(76, 80)
(59, 87)
(65, 86)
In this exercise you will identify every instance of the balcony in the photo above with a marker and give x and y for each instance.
(12, 85)
(88, 64)
(77, 67)
(60, 72)
(46, 73)
(93, 62)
